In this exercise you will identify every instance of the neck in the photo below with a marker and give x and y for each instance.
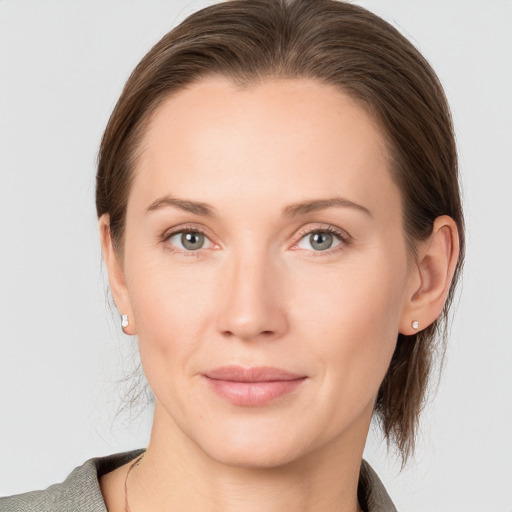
(176, 474)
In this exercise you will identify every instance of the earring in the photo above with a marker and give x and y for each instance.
(124, 321)
(415, 324)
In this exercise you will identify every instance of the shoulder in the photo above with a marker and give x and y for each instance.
(80, 492)
(371, 492)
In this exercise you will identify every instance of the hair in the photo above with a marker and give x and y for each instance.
(336, 43)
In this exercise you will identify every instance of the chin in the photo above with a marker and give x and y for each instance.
(254, 457)
(255, 447)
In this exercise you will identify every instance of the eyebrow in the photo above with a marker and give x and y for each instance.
(183, 204)
(292, 210)
(314, 205)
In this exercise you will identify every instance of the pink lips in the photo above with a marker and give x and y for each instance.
(252, 386)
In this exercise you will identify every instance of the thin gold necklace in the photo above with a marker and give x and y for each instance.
(136, 462)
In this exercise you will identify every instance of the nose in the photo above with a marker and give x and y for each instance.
(252, 298)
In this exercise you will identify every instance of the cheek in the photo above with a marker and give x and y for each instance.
(354, 316)
(171, 305)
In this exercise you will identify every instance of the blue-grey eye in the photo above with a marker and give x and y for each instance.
(319, 241)
(188, 240)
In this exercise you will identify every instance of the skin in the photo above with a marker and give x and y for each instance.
(260, 293)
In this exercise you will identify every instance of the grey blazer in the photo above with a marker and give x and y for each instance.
(80, 492)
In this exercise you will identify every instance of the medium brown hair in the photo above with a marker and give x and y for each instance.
(339, 44)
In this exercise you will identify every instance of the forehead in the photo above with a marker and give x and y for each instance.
(284, 139)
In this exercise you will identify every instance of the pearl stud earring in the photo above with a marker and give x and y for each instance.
(124, 321)
(415, 324)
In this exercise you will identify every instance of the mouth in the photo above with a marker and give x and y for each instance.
(251, 387)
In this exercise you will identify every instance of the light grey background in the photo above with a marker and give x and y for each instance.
(62, 67)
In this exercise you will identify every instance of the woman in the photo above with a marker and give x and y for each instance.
(280, 218)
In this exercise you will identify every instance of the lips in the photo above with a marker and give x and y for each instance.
(252, 386)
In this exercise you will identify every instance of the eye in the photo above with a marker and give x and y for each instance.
(321, 240)
(188, 240)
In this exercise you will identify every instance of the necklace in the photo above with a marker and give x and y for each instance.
(136, 462)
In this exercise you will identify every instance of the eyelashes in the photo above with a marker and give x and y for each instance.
(324, 239)
(318, 240)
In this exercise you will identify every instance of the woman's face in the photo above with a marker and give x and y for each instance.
(264, 233)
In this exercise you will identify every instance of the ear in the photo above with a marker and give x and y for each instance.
(116, 277)
(431, 278)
